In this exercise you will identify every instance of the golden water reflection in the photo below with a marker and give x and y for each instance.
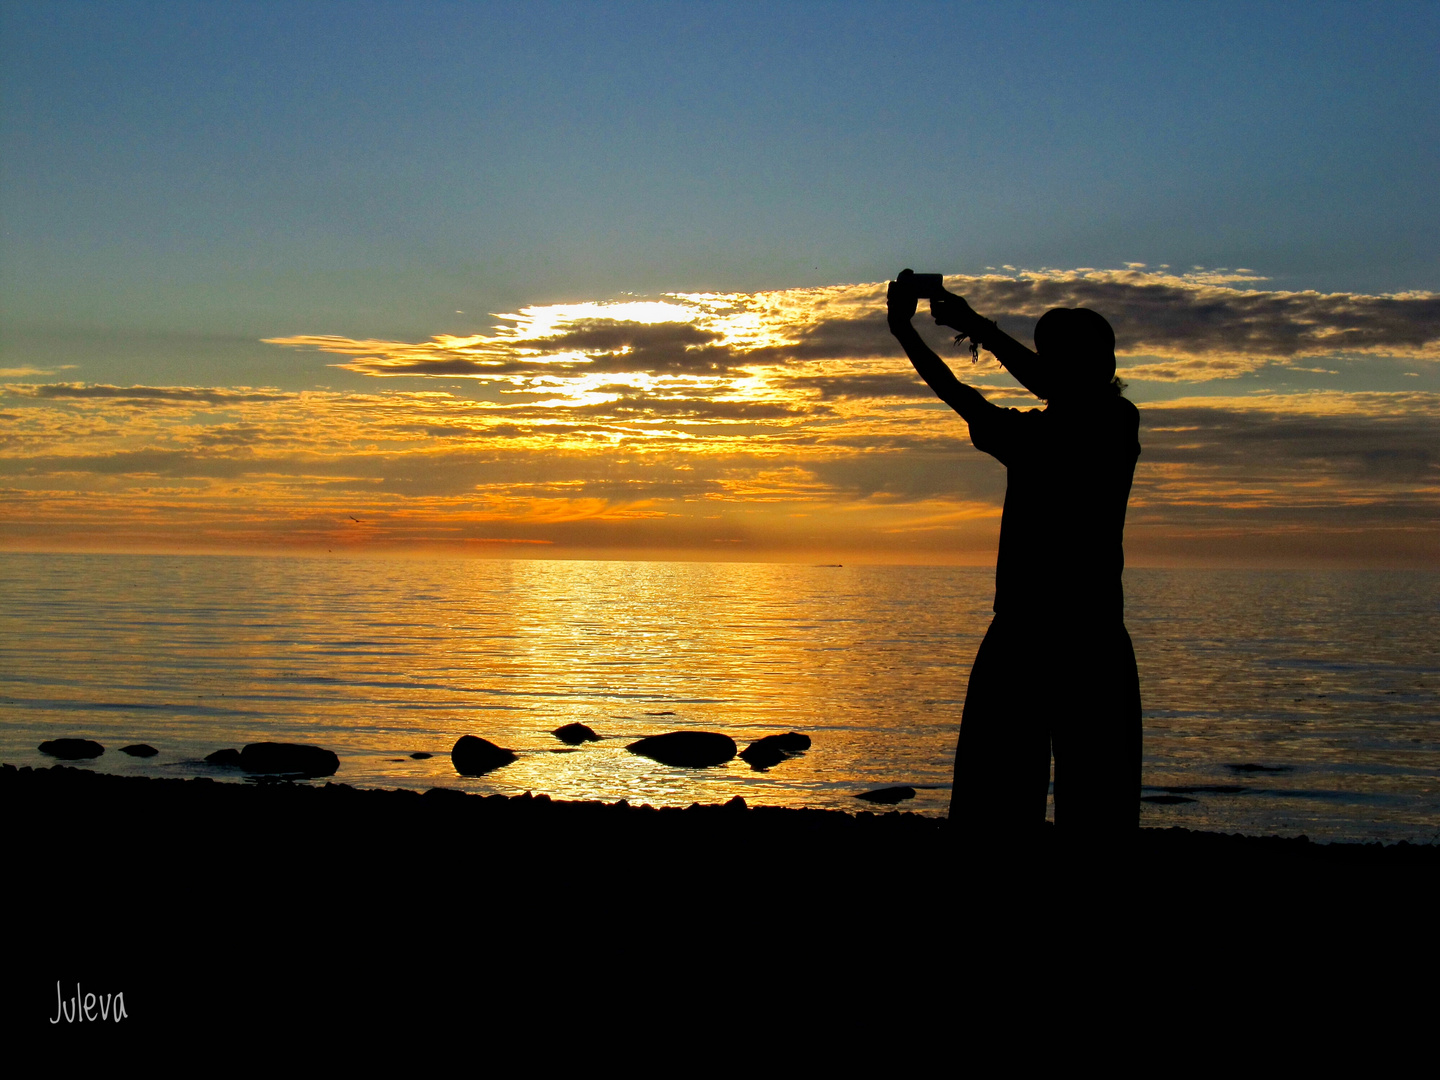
(1328, 685)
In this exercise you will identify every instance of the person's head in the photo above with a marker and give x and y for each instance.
(1080, 345)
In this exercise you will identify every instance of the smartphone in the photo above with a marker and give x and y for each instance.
(928, 286)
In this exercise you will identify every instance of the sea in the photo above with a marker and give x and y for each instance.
(1288, 703)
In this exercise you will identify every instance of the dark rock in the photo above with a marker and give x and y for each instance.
(139, 749)
(279, 757)
(421, 755)
(695, 749)
(773, 749)
(229, 758)
(887, 794)
(575, 734)
(474, 756)
(762, 754)
(1166, 800)
(72, 749)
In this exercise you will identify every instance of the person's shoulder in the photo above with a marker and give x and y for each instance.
(1129, 424)
(1126, 410)
(1002, 431)
(1123, 404)
(1010, 414)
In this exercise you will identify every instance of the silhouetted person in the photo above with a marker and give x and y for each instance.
(1056, 670)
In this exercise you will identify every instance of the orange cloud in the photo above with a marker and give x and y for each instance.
(1191, 327)
(767, 425)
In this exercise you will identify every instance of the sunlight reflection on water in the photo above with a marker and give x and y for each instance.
(1331, 677)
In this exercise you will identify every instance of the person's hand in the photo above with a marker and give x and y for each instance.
(900, 301)
(954, 312)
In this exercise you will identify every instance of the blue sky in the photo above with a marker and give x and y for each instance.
(181, 181)
(371, 168)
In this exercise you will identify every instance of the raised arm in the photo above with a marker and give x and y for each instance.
(1023, 363)
(965, 400)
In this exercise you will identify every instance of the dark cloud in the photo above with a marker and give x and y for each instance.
(608, 345)
(1165, 316)
(442, 364)
(615, 345)
(172, 463)
(1300, 461)
(646, 406)
(147, 394)
(460, 430)
(1162, 315)
(907, 442)
(1249, 443)
(858, 386)
(1199, 329)
(963, 473)
(618, 490)
(843, 338)
(613, 474)
(234, 435)
(528, 473)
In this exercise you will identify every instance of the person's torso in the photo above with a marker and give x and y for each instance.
(1062, 531)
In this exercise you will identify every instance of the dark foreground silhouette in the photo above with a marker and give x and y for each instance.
(1056, 672)
(214, 906)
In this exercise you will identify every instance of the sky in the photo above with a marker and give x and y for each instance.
(606, 280)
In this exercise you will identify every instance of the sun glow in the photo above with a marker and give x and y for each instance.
(546, 320)
(754, 424)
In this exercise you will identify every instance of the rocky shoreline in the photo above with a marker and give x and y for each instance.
(285, 821)
(211, 904)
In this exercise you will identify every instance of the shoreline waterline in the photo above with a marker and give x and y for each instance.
(1275, 703)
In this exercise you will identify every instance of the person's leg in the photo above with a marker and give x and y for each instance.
(1097, 738)
(1002, 758)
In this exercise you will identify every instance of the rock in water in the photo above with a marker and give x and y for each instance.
(230, 758)
(279, 757)
(421, 755)
(575, 734)
(887, 794)
(474, 756)
(762, 753)
(773, 749)
(72, 749)
(696, 749)
(139, 749)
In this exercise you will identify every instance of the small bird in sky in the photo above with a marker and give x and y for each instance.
(356, 520)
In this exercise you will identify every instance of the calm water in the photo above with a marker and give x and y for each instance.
(1296, 702)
